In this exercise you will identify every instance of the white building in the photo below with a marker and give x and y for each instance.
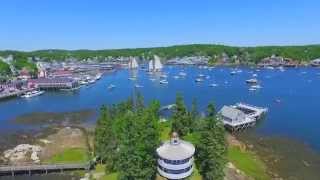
(175, 158)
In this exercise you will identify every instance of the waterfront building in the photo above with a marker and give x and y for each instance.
(53, 83)
(175, 158)
(240, 116)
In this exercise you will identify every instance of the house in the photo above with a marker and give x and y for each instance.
(235, 119)
(24, 74)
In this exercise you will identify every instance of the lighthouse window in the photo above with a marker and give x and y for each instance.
(176, 162)
(170, 171)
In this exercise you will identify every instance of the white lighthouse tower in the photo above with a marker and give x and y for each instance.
(175, 158)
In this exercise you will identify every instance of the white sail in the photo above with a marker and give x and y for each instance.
(151, 65)
(157, 63)
(133, 63)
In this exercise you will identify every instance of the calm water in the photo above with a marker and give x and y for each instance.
(296, 116)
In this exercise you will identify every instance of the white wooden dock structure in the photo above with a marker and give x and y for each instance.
(240, 116)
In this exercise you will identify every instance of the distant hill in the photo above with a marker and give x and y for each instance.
(244, 54)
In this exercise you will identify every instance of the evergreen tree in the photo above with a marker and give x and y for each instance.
(105, 140)
(181, 119)
(211, 149)
(138, 139)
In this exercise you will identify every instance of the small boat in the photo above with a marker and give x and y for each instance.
(201, 75)
(32, 94)
(252, 81)
(111, 86)
(98, 76)
(199, 80)
(91, 81)
(254, 75)
(233, 72)
(176, 77)
(152, 79)
(270, 67)
(208, 77)
(164, 82)
(252, 89)
(239, 71)
(132, 78)
(256, 87)
(83, 82)
(281, 69)
(163, 76)
(213, 85)
(138, 86)
(278, 101)
(182, 74)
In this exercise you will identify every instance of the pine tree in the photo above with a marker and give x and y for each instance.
(211, 150)
(181, 118)
(105, 140)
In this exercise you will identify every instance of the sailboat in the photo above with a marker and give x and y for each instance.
(133, 63)
(155, 64)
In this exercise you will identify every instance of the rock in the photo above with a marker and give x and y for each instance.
(20, 153)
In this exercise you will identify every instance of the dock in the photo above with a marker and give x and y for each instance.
(240, 116)
(42, 168)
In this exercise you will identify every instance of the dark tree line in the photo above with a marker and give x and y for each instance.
(127, 135)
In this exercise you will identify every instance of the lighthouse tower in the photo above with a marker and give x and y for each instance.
(175, 158)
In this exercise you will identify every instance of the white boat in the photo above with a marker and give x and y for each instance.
(138, 86)
(208, 77)
(83, 82)
(32, 94)
(98, 76)
(201, 75)
(252, 81)
(233, 72)
(182, 74)
(163, 76)
(152, 79)
(199, 80)
(133, 63)
(176, 77)
(91, 81)
(281, 69)
(252, 89)
(155, 64)
(163, 82)
(256, 87)
(111, 86)
(254, 75)
(270, 67)
(213, 85)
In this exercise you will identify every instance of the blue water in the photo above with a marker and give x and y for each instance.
(296, 116)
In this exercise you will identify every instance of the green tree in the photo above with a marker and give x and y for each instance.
(105, 140)
(211, 149)
(181, 118)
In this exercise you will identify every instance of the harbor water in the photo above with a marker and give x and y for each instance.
(292, 97)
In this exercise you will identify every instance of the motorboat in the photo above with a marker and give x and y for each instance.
(32, 94)
(138, 86)
(199, 80)
(252, 81)
(111, 86)
(164, 82)
(213, 85)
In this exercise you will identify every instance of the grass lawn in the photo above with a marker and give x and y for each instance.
(73, 155)
(112, 176)
(248, 163)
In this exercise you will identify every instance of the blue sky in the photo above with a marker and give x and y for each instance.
(105, 24)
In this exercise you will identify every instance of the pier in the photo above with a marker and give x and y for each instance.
(43, 168)
(240, 116)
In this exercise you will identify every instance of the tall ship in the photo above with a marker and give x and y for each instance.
(133, 63)
(155, 65)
